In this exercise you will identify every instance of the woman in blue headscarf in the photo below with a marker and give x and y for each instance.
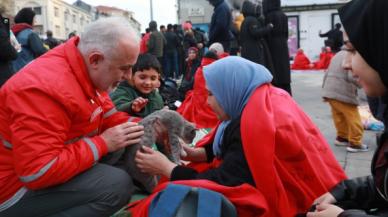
(264, 140)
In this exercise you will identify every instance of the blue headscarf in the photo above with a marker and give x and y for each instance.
(232, 80)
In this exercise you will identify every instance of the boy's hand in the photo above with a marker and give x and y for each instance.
(138, 104)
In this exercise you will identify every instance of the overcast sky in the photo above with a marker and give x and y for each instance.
(164, 10)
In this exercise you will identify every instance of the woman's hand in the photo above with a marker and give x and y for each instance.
(153, 162)
(325, 198)
(326, 210)
(194, 154)
(138, 104)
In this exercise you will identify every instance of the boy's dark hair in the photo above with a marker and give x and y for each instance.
(147, 61)
(169, 27)
(211, 55)
(25, 15)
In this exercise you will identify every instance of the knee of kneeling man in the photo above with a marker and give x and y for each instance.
(123, 185)
(117, 187)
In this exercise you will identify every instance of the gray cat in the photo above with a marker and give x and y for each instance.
(163, 128)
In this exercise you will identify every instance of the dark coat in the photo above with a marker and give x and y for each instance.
(252, 37)
(172, 42)
(7, 54)
(233, 159)
(156, 44)
(278, 42)
(334, 40)
(220, 25)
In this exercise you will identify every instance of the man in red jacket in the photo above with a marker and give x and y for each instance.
(59, 131)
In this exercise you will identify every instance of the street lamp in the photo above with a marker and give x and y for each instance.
(152, 11)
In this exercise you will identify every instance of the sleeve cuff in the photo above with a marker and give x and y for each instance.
(353, 213)
(338, 191)
(183, 173)
(101, 145)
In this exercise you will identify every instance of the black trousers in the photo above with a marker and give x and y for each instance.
(99, 191)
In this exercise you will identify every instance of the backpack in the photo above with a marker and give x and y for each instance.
(169, 92)
(26, 55)
(186, 201)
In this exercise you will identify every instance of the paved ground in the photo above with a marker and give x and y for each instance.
(306, 87)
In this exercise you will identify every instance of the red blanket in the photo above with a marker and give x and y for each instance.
(301, 61)
(324, 60)
(289, 159)
(195, 108)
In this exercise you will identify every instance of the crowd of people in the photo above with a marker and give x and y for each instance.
(64, 130)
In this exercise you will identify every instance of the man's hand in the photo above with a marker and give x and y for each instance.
(138, 104)
(326, 210)
(153, 162)
(122, 135)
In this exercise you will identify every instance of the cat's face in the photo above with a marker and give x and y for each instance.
(189, 132)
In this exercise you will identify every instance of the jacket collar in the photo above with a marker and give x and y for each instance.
(78, 67)
(20, 27)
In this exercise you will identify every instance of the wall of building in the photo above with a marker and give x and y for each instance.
(303, 35)
(55, 15)
(310, 23)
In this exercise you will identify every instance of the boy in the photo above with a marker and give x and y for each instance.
(138, 95)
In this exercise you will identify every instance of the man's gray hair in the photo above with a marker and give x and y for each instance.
(105, 34)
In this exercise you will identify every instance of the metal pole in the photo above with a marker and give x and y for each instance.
(152, 11)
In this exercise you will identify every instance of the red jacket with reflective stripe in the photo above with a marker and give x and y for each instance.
(51, 117)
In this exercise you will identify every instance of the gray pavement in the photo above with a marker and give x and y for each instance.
(306, 88)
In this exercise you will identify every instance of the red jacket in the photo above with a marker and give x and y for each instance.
(144, 42)
(50, 120)
(195, 108)
(289, 159)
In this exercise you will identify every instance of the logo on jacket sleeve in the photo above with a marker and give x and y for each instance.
(95, 114)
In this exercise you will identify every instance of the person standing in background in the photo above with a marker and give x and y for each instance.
(252, 36)
(50, 40)
(32, 46)
(171, 53)
(339, 89)
(221, 24)
(278, 45)
(156, 42)
(334, 38)
(8, 52)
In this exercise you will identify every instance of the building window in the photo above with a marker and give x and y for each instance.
(74, 18)
(37, 10)
(57, 30)
(81, 21)
(66, 15)
(39, 29)
(56, 12)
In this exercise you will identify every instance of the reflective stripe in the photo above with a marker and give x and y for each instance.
(91, 134)
(110, 113)
(40, 173)
(131, 119)
(93, 147)
(14, 199)
(7, 144)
